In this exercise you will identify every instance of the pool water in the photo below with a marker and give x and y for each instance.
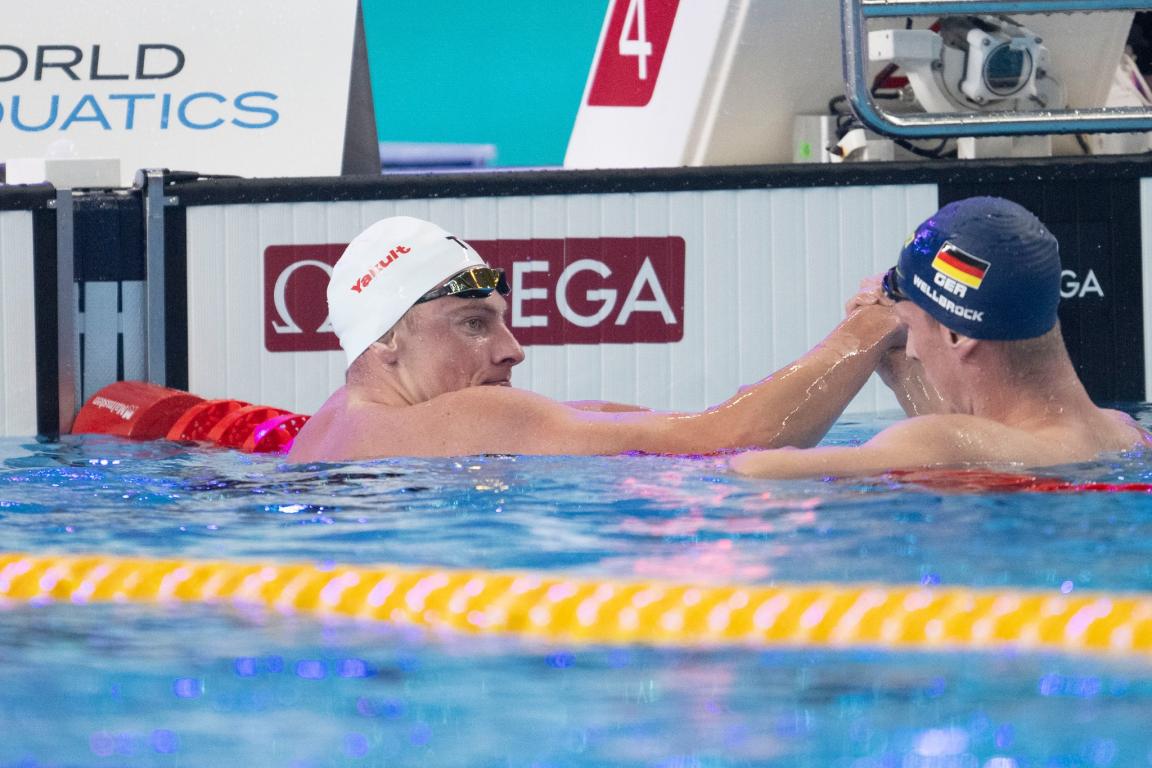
(136, 685)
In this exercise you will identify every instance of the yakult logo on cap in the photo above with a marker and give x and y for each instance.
(376, 268)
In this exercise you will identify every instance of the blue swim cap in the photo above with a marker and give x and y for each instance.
(984, 267)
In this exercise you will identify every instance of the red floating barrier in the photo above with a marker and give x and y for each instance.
(967, 479)
(235, 428)
(199, 420)
(135, 409)
(276, 434)
(990, 481)
(138, 409)
(1115, 487)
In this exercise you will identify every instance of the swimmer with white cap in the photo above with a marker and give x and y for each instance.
(421, 319)
(977, 286)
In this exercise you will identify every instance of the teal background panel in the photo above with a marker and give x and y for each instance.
(509, 73)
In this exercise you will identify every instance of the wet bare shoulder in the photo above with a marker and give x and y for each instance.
(955, 439)
(467, 421)
(1129, 430)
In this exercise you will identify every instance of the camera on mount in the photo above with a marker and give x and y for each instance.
(971, 63)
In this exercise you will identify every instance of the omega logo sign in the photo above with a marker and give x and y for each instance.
(295, 297)
(1072, 287)
(280, 297)
(595, 290)
(592, 290)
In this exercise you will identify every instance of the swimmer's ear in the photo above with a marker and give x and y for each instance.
(386, 347)
(962, 344)
(945, 336)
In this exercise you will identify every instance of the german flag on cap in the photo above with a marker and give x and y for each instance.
(960, 266)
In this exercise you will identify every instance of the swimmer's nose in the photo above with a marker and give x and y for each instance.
(509, 352)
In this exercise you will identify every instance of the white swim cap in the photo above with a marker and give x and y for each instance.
(384, 271)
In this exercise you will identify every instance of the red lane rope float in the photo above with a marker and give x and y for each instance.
(146, 411)
(235, 428)
(561, 609)
(134, 409)
(276, 434)
(980, 480)
(197, 422)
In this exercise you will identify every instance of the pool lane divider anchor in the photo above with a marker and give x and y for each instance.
(144, 411)
(558, 609)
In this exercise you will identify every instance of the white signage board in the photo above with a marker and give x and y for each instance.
(241, 87)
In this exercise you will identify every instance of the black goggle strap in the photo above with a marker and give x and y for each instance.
(890, 284)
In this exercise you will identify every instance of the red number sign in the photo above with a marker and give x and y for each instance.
(633, 50)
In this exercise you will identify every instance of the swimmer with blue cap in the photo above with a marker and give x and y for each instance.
(984, 373)
(428, 359)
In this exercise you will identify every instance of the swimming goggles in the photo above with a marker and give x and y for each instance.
(474, 283)
(890, 284)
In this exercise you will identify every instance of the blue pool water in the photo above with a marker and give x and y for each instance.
(126, 685)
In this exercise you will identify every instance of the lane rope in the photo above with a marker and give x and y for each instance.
(562, 609)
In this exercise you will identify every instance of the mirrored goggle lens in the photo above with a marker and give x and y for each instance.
(475, 283)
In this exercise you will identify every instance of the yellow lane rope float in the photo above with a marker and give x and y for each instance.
(573, 610)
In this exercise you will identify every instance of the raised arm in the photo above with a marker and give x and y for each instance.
(905, 377)
(794, 406)
(900, 373)
(604, 406)
(797, 404)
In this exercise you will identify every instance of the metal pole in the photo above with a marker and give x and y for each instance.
(67, 340)
(155, 318)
